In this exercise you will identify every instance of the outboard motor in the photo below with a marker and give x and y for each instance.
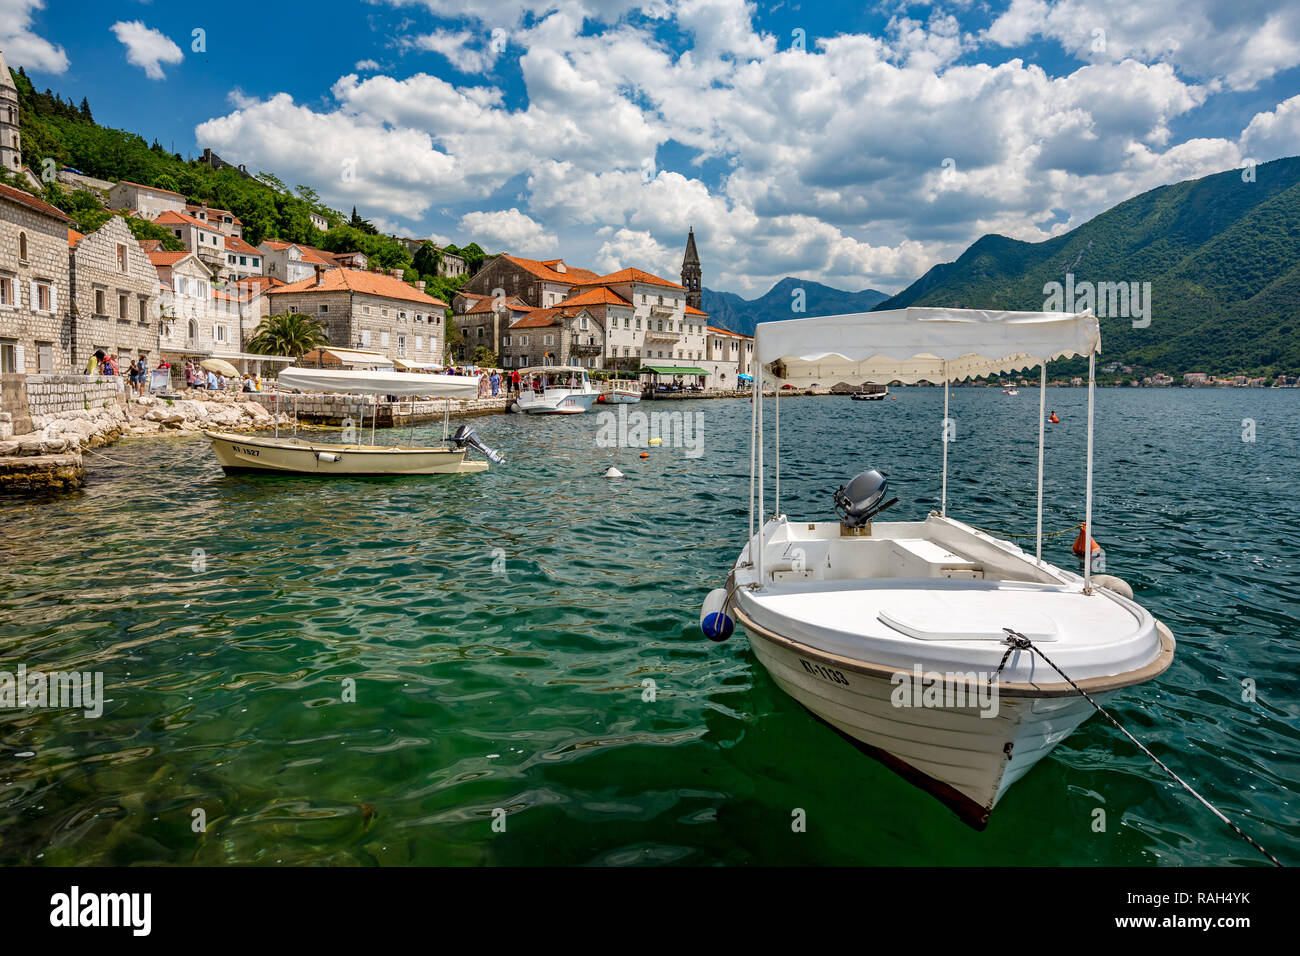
(861, 499)
(465, 436)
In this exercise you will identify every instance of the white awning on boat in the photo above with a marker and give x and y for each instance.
(349, 358)
(920, 344)
(358, 382)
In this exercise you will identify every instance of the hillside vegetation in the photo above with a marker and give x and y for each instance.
(1222, 255)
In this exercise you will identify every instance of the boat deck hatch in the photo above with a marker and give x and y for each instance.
(955, 617)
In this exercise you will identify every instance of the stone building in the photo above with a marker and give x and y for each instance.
(370, 310)
(727, 356)
(654, 326)
(481, 320)
(194, 323)
(220, 219)
(11, 144)
(242, 260)
(35, 321)
(692, 275)
(149, 201)
(291, 261)
(114, 295)
(535, 283)
(561, 335)
(204, 240)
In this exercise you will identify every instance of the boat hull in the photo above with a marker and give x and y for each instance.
(965, 756)
(239, 454)
(621, 397)
(561, 402)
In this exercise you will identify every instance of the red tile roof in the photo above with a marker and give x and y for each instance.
(485, 304)
(164, 259)
(239, 245)
(571, 275)
(717, 331)
(358, 280)
(30, 201)
(170, 218)
(598, 295)
(691, 310)
(634, 275)
(74, 237)
(541, 318)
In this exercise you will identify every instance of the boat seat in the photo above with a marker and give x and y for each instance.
(936, 560)
(801, 560)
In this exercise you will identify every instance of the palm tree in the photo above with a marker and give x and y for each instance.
(289, 333)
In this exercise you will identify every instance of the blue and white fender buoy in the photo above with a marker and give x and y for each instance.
(715, 622)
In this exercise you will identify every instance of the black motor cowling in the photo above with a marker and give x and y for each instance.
(465, 436)
(862, 498)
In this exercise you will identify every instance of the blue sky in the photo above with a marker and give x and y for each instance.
(855, 144)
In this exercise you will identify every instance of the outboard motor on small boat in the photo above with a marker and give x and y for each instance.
(465, 436)
(861, 499)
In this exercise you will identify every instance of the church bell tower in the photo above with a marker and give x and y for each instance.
(691, 271)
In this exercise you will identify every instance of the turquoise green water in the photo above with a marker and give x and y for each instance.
(499, 629)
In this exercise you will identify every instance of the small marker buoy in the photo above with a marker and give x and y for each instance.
(656, 441)
(1053, 419)
(1077, 547)
(612, 472)
(645, 454)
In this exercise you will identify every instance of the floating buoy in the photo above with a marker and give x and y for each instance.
(612, 472)
(1077, 547)
(656, 441)
(1053, 419)
(715, 622)
(645, 454)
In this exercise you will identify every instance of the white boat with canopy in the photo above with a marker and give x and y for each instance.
(559, 390)
(293, 455)
(925, 641)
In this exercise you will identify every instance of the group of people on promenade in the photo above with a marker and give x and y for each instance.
(196, 376)
(137, 370)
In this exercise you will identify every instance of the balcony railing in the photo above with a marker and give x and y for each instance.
(662, 311)
(655, 335)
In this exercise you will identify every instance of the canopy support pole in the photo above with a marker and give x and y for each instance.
(1087, 507)
(776, 493)
(753, 471)
(1042, 410)
(277, 411)
(758, 399)
(943, 502)
(374, 415)
(295, 414)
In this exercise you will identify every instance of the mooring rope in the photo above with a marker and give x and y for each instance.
(1031, 534)
(1018, 641)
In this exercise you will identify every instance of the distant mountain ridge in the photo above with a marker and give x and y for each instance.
(1221, 254)
(729, 311)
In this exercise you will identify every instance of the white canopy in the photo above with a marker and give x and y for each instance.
(911, 345)
(381, 382)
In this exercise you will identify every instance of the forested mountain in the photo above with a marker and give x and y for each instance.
(1221, 254)
(729, 311)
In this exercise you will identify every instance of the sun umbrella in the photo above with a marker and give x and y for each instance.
(220, 366)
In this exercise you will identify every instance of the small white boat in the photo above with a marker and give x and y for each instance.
(620, 392)
(1010, 390)
(292, 455)
(871, 393)
(562, 390)
(925, 642)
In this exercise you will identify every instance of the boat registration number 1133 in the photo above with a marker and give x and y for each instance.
(825, 673)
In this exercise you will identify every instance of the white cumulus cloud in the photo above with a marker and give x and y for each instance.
(146, 47)
(21, 45)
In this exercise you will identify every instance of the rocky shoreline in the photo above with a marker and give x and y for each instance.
(49, 458)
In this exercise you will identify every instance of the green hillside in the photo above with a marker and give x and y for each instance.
(55, 129)
(1222, 257)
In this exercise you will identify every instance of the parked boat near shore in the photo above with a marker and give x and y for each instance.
(569, 391)
(293, 455)
(922, 641)
(620, 392)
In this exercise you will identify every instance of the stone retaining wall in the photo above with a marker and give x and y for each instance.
(52, 394)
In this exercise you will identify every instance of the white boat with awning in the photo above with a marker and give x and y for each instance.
(554, 390)
(925, 641)
(293, 455)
